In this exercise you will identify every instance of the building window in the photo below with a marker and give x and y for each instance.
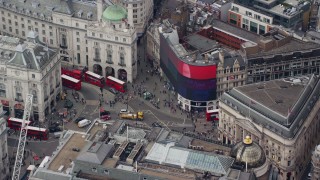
(35, 96)
(93, 34)
(78, 39)
(116, 38)
(77, 24)
(109, 56)
(97, 53)
(64, 40)
(33, 76)
(51, 41)
(122, 61)
(43, 32)
(17, 31)
(289, 163)
(23, 33)
(86, 49)
(16, 23)
(50, 27)
(77, 33)
(2, 90)
(36, 29)
(78, 58)
(124, 39)
(78, 47)
(262, 29)
(253, 27)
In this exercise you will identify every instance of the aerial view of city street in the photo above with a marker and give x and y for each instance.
(160, 89)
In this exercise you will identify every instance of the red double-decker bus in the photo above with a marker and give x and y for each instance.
(71, 82)
(15, 123)
(212, 115)
(116, 84)
(93, 78)
(75, 73)
(34, 132)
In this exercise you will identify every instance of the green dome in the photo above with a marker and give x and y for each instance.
(114, 13)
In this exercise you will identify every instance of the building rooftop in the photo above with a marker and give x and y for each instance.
(294, 45)
(66, 155)
(31, 55)
(289, 8)
(235, 31)
(190, 159)
(278, 105)
(95, 152)
(83, 9)
(201, 43)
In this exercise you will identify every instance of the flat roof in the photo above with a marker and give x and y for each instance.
(201, 43)
(66, 155)
(294, 45)
(235, 31)
(270, 93)
(278, 105)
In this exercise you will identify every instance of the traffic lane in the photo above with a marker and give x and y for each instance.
(140, 105)
(90, 92)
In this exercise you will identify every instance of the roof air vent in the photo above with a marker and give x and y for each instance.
(283, 86)
(279, 101)
(260, 87)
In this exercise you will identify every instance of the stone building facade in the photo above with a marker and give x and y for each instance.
(29, 68)
(282, 116)
(65, 24)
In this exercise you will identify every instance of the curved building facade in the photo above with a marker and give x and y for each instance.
(192, 76)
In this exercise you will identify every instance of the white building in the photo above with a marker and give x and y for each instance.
(28, 68)
(65, 24)
(114, 45)
(139, 13)
(249, 19)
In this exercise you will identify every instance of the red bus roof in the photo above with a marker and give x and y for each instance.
(213, 111)
(36, 128)
(115, 80)
(94, 75)
(18, 120)
(70, 78)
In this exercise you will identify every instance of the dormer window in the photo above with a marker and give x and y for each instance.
(89, 15)
(80, 13)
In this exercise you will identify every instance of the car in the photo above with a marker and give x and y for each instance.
(76, 149)
(54, 129)
(68, 104)
(123, 110)
(309, 175)
(104, 113)
(105, 117)
(84, 123)
(112, 90)
(155, 124)
(79, 119)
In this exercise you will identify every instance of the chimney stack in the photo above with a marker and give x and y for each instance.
(221, 56)
(206, 58)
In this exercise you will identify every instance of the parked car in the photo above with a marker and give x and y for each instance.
(84, 123)
(155, 124)
(68, 104)
(79, 119)
(112, 90)
(76, 149)
(54, 129)
(105, 117)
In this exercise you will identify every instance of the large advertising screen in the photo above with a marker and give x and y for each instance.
(197, 83)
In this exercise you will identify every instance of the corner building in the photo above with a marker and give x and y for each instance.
(65, 24)
(192, 70)
(282, 116)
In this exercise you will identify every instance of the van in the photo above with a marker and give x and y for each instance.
(84, 123)
(57, 134)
